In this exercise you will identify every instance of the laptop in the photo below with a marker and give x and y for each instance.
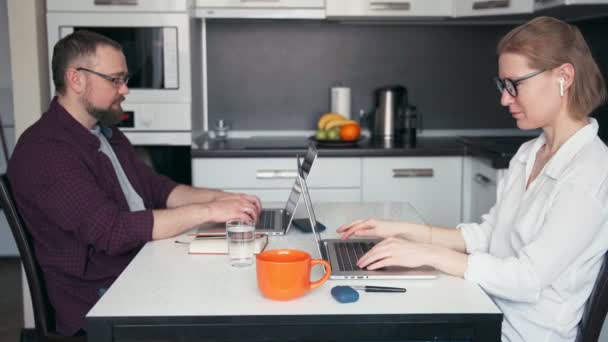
(277, 221)
(342, 255)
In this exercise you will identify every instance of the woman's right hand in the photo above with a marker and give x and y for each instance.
(371, 228)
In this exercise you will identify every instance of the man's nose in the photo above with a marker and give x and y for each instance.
(124, 89)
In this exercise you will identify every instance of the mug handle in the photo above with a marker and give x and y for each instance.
(313, 262)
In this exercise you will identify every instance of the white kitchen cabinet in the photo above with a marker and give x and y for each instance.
(276, 9)
(388, 8)
(544, 4)
(330, 179)
(433, 185)
(479, 183)
(476, 8)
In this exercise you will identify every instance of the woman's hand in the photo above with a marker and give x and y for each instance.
(394, 251)
(371, 228)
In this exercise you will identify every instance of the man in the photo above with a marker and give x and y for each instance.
(86, 199)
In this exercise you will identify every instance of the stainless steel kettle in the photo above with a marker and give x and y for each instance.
(390, 104)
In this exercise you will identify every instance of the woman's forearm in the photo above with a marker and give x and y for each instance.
(445, 237)
(448, 260)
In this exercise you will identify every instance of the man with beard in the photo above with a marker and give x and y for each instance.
(89, 203)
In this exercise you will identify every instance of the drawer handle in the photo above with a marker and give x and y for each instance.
(260, 0)
(481, 5)
(407, 173)
(389, 6)
(276, 174)
(483, 180)
(115, 2)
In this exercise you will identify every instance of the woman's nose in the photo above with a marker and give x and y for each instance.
(506, 99)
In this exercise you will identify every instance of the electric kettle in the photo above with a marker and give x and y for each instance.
(389, 114)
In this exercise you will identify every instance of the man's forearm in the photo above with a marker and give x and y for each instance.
(185, 194)
(175, 221)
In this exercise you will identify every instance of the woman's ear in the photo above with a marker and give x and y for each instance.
(566, 72)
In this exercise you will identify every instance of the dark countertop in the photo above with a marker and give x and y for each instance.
(498, 149)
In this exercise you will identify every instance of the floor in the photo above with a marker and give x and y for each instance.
(11, 311)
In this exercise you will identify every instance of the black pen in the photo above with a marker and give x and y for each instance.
(379, 289)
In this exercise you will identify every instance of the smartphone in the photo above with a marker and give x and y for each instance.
(303, 225)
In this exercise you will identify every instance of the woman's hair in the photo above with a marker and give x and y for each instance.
(548, 43)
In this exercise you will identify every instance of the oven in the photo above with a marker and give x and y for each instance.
(156, 40)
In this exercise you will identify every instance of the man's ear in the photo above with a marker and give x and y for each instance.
(75, 80)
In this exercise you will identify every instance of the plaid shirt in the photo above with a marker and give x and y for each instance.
(72, 203)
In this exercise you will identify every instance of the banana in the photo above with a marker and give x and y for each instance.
(327, 117)
(338, 123)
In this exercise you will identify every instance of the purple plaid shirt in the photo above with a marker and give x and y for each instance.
(70, 198)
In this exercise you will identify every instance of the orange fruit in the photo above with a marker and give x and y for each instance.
(350, 132)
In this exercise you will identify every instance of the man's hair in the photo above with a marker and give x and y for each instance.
(78, 45)
(548, 43)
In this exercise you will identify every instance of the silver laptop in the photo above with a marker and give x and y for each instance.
(342, 255)
(276, 221)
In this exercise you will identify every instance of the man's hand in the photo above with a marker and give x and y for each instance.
(234, 208)
(252, 199)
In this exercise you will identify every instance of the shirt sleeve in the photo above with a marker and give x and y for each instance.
(572, 224)
(67, 193)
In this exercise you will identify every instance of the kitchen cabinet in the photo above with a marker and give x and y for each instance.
(276, 9)
(388, 8)
(475, 8)
(330, 180)
(433, 185)
(544, 4)
(480, 182)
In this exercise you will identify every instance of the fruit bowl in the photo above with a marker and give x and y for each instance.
(334, 143)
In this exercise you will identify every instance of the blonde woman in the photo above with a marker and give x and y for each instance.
(538, 251)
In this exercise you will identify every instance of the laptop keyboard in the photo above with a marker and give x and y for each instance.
(266, 219)
(349, 252)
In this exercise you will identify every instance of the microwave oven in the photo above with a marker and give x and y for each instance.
(157, 51)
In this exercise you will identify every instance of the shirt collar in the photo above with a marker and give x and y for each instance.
(560, 161)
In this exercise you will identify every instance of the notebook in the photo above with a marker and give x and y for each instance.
(219, 245)
(342, 255)
(277, 221)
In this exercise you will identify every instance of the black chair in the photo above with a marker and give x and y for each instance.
(44, 315)
(595, 309)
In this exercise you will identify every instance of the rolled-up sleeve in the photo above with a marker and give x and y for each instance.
(570, 228)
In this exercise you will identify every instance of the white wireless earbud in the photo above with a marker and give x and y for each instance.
(561, 86)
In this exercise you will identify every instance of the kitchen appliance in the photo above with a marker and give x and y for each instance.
(390, 104)
(155, 36)
(395, 121)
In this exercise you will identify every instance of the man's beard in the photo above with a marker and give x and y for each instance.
(106, 117)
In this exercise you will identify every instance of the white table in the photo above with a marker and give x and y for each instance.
(167, 294)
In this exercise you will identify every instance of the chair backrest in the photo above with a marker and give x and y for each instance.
(43, 312)
(596, 308)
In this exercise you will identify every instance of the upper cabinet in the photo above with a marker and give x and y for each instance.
(543, 4)
(388, 8)
(274, 9)
(476, 8)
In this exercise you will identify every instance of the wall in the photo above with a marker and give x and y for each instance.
(271, 75)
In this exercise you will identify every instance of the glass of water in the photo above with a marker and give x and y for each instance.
(241, 242)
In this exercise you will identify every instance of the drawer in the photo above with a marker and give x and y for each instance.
(432, 185)
(273, 173)
(261, 3)
(316, 194)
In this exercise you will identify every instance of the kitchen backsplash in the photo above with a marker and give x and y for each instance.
(277, 74)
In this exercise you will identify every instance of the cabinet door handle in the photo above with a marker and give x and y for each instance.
(406, 173)
(481, 5)
(276, 174)
(483, 180)
(260, 0)
(389, 6)
(116, 2)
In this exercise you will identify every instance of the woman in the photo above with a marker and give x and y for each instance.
(539, 249)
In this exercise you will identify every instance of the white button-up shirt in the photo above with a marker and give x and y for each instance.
(538, 251)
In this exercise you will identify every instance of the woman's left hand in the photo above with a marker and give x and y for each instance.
(395, 251)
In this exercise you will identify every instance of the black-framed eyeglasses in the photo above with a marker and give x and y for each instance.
(511, 85)
(116, 80)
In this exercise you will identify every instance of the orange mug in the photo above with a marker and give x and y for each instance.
(284, 274)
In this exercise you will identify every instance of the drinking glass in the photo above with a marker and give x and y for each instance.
(241, 242)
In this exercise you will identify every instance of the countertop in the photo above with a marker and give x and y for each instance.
(498, 150)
